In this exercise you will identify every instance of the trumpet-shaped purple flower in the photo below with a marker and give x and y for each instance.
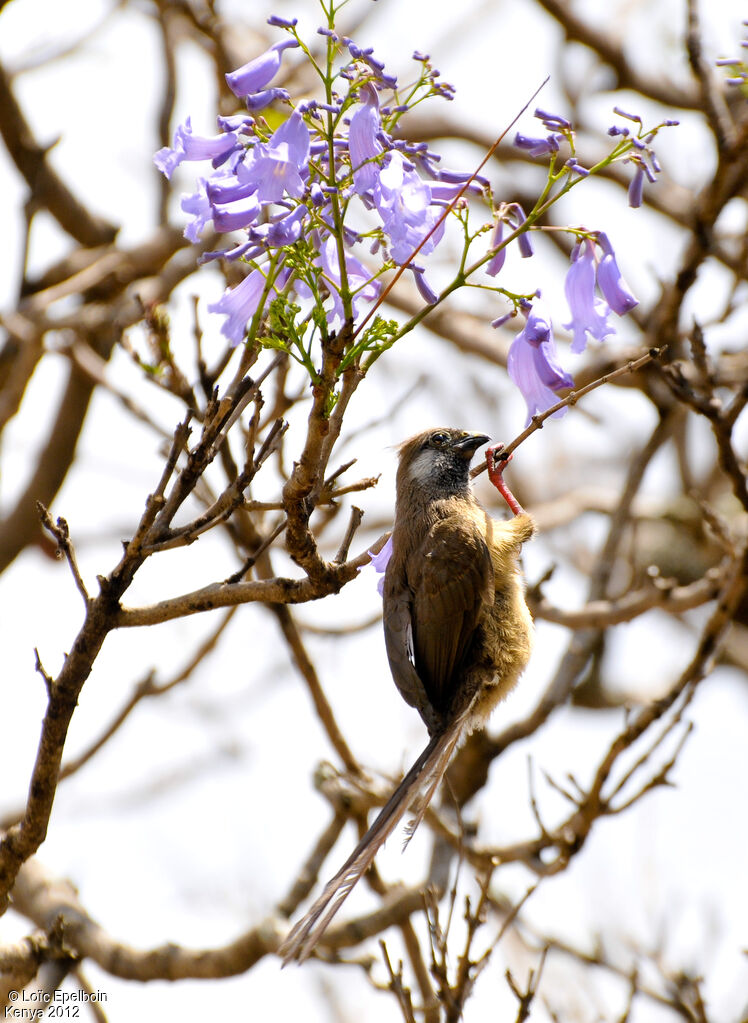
(636, 188)
(360, 284)
(610, 281)
(533, 364)
(553, 122)
(229, 189)
(260, 100)
(194, 147)
(288, 229)
(275, 166)
(278, 22)
(236, 215)
(538, 146)
(363, 143)
(246, 249)
(443, 193)
(239, 305)
(403, 201)
(589, 314)
(497, 261)
(524, 241)
(282, 230)
(425, 290)
(198, 206)
(255, 75)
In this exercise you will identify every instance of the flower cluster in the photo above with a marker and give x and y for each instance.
(594, 285)
(293, 193)
(641, 154)
(289, 191)
(594, 288)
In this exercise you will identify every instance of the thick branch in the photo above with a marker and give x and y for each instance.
(273, 591)
(44, 900)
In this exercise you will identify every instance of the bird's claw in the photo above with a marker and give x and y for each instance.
(496, 462)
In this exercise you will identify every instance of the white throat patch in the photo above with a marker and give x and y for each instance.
(421, 469)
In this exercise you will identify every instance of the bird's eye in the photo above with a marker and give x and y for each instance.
(440, 439)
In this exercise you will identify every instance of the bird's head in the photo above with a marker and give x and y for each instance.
(436, 463)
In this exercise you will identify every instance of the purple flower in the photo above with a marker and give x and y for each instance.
(260, 100)
(236, 215)
(515, 216)
(496, 262)
(573, 165)
(552, 121)
(504, 318)
(524, 241)
(425, 290)
(288, 229)
(444, 194)
(533, 364)
(636, 188)
(229, 189)
(240, 123)
(641, 154)
(379, 563)
(363, 289)
(193, 147)
(259, 72)
(589, 314)
(197, 205)
(239, 305)
(282, 230)
(246, 248)
(537, 146)
(275, 166)
(363, 144)
(627, 115)
(615, 290)
(404, 204)
(367, 56)
(460, 177)
(279, 22)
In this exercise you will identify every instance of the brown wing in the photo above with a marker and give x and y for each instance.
(398, 639)
(453, 583)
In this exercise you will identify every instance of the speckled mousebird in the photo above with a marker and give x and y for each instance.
(456, 626)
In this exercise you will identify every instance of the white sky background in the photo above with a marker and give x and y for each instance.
(158, 832)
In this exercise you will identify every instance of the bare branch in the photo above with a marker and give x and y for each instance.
(61, 533)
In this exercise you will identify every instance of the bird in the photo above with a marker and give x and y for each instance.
(457, 629)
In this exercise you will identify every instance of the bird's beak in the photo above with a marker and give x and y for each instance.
(469, 444)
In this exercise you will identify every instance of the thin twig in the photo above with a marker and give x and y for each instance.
(538, 420)
(61, 532)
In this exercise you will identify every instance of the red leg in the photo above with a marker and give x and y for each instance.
(496, 463)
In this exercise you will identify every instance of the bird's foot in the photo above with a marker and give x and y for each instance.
(496, 462)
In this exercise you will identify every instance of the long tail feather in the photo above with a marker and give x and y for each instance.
(418, 786)
(421, 802)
